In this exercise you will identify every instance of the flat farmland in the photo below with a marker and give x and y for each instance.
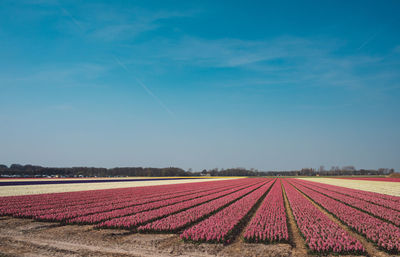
(388, 186)
(224, 217)
(26, 186)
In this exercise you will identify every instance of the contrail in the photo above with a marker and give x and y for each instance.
(367, 41)
(66, 12)
(123, 66)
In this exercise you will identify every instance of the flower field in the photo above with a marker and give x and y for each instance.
(328, 218)
(386, 187)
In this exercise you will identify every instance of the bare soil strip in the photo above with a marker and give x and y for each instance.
(299, 244)
(246, 220)
(23, 237)
(369, 247)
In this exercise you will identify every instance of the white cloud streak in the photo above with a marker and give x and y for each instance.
(146, 88)
(367, 41)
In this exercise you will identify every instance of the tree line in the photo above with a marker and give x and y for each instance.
(18, 170)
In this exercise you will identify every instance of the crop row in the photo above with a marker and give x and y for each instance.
(71, 198)
(388, 201)
(93, 196)
(376, 179)
(222, 225)
(385, 235)
(384, 190)
(269, 223)
(136, 205)
(106, 215)
(118, 209)
(129, 199)
(377, 210)
(132, 221)
(217, 211)
(183, 219)
(321, 233)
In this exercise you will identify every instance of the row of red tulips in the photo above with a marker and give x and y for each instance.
(73, 198)
(392, 202)
(385, 235)
(321, 233)
(269, 223)
(125, 199)
(77, 213)
(132, 221)
(86, 197)
(377, 210)
(106, 215)
(184, 219)
(222, 225)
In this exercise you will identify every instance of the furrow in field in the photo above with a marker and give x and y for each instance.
(269, 223)
(102, 216)
(181, 220)
(70, 213)
(223, 226)
(383, 234)
(321, 234)
(99, 197)
(376, 210)
(359, 194)
(132, 221)
(113, 203)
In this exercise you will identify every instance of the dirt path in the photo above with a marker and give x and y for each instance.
(240, 248)
(369, 247)
(294, 233)
(24, 237)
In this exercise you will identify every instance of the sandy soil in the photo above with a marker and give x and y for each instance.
(23, 237)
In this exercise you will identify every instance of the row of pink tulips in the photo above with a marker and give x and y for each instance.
(106, 215)
(321, 233)
(76, 213)
(183, 219)
(392, 202)
(377, 210)
(269, 223)
(385, 235)
(132, 221)
(221, 226)
(71, 198)
(125, 199)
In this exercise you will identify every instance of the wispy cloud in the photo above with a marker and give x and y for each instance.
(284, 60)
(102, 22)
(130, 24)
(239, 53)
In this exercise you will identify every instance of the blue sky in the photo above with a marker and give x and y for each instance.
(271, 85)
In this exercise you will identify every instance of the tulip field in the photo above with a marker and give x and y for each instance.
(327, 217)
